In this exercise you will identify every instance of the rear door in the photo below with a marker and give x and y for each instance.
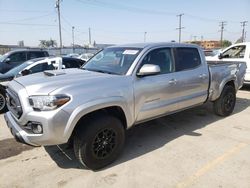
(192, 78)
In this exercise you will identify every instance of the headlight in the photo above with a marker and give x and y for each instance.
(48, 102)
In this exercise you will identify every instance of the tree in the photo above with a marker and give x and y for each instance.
(47, 43)
(226, 43)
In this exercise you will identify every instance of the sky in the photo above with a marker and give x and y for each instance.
(119, 22)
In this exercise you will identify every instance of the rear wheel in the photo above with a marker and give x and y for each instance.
(224, 105)
(3, 106)
(99, 141)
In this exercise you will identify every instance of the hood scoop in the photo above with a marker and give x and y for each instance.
(54, 73)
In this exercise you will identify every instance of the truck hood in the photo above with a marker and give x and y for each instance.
(63, 80)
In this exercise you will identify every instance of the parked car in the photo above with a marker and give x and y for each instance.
(119, 87)
(15, 58)
(85, 56)
(235, 53)
(75, 55)
(34, 66)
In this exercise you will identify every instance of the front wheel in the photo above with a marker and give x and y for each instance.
(3, 106)
(99, 141)
(224, 105)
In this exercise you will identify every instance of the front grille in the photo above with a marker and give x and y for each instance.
(13, 103)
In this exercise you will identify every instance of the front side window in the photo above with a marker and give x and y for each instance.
(160, 57)
(186, 58)
(116, 60)
(235, 52)
(18, 57)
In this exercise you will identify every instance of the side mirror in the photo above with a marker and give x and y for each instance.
(7, 60)
(25, 72)
(149, 69)
(220, 56)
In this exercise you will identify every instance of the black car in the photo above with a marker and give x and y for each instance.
(15, 58)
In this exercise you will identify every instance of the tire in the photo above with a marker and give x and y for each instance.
(99, 141)
(3, 107)
(224, 105)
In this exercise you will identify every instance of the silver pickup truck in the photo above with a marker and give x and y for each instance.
(119, 87)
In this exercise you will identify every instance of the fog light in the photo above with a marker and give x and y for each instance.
(36, 127)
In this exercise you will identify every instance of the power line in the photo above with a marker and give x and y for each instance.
(180, 27)
(117, 6)
(36, 11)
(29, 24)
(32, 18)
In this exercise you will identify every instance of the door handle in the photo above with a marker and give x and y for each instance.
(203, 76)
(172, 81)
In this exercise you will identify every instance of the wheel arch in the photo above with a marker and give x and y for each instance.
(117, 109)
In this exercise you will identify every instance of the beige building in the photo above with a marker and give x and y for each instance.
(207, 44)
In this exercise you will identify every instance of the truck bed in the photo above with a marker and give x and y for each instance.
(222, 72)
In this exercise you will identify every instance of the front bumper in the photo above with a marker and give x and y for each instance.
(19, 134)
(53, 128)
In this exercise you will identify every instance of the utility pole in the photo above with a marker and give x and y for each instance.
(59, 22)
(222, 25)
(180, 28)
(89, 36)
(243, 24)
(145, 34)
(73, 39)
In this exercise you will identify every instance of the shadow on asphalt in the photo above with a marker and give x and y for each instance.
(246, 87)
(147, 137)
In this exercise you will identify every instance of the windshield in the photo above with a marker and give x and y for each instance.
(2, 58)
(116, 60)
(19, 68)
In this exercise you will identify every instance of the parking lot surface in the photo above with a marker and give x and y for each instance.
(194, 148)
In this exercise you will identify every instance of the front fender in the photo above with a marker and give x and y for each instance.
(94, 105)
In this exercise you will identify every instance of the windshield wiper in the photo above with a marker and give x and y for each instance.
(101, 71)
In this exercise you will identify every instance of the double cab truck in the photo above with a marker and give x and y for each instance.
(235, 53)
(119, 87)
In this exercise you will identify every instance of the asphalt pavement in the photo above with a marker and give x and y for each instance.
(194, 148)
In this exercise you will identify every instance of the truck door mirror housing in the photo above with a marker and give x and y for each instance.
(149, 69)
(220, 56)
(7, 60)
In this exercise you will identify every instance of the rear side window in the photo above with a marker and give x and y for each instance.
(186, 58)
(33, 55)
